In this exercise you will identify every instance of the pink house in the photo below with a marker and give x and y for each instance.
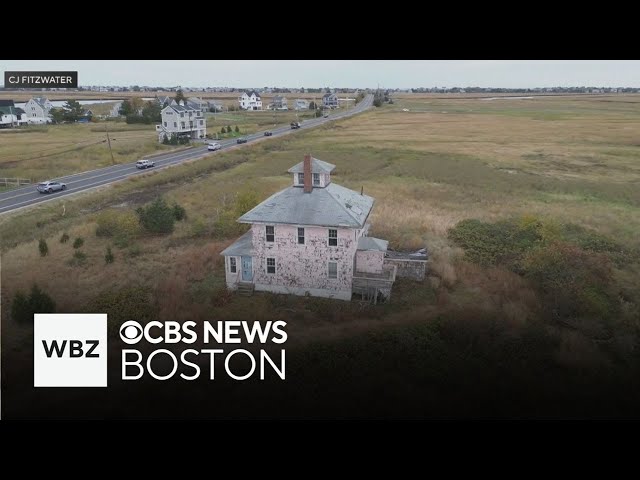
(310, 239)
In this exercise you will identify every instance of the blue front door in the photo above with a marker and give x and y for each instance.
(247, 270)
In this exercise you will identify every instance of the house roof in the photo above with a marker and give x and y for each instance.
(18, 111)
(371, 243)
(242, 246)
(317, 166)
(40, 101)
(181, 108)
(253, 92)
(6, 103)
(332, 206)
(328, 95)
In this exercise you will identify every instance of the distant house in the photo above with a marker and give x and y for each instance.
(115, 110)
(279, 103)
(85, 117)
(330, 100)
(250, 101)
(310, 239)
(38, 109)
(215, 106)
(163, 101)
(301, 104)
(10, 115)
(182, 121)
(198, 103)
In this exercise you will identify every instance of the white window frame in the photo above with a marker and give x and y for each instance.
(329, 271)
(314, 176)
(275, 267)
(266, 234)
(304, 236)
(300, 178)
(329, 238)
(233, 265)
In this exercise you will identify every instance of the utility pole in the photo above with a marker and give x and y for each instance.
(113, 162)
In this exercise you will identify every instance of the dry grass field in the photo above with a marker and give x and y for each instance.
(566, 161)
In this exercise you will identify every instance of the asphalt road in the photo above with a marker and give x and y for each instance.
(80, 182)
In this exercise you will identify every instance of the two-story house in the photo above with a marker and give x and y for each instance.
(37, 110)
(182, 120)
(310, 239)
(10, 115)
(330, 100)
(250, 101)
(279, 103)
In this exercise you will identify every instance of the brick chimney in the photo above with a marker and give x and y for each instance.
(308, 184)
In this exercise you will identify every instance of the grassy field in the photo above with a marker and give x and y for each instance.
(566, 161)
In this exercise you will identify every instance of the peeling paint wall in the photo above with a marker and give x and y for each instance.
(232, 278)
(415, 269)
(304, 267)
(369, 261)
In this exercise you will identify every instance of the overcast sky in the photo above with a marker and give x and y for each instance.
(345, 73)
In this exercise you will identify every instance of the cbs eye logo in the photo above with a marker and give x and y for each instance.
(131, 332)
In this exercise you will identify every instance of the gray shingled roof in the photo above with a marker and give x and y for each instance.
(317, 166)
(371, 243)
(242, 246)
(253, 92)
(332, 206)
(40, 101)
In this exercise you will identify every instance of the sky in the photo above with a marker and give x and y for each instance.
(344, 73)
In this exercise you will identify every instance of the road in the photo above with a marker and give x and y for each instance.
(81, 182)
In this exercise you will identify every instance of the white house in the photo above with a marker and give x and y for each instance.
(330, 100)
(115, 110)
(301, 104)
(37, 110)
(10, 115)
(310, 239)
(250, 101)
(182, 120)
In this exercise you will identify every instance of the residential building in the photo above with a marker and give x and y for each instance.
(279, 103)
(250, 101)
(115, 110)
(198, 103)
(330, 100)
(310, 239)
(37, 110)
(301, 104)
(10, 115)
(182, 120)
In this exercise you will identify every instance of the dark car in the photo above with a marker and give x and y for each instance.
(268, 133)
(49, 187)
(241, 140)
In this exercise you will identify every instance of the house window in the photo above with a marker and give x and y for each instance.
(165, 124)
(232, 264)
(333, 269)
(270, 230)
(200, 122)
(175, 124)
(181, 114)
(300, 236)
(333, 237)
(271, 265)
(316, 179)
(301, 179)
(182, 124)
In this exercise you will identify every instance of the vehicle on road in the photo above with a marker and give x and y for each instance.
(214, 146)
(326, 115)
(241, 140)
(145, 164)
(268, 133)
(50, 186)
(295, 125)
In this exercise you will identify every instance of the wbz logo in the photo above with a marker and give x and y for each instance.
(70, 350)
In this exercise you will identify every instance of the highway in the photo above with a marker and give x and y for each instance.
(23, 197)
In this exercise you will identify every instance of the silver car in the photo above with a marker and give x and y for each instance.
(50, 187)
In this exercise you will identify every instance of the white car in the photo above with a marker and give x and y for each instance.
(145, 164)
(214, 146)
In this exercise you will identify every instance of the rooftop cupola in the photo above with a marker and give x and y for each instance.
(311, 173)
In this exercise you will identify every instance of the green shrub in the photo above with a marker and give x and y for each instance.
(43, 247)
(108, 257)
(179, 213)
(64, 238)
(78, 242)
(23, 307)
(122, 304)
(78, 259)
(158, 217)
(237, 129)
